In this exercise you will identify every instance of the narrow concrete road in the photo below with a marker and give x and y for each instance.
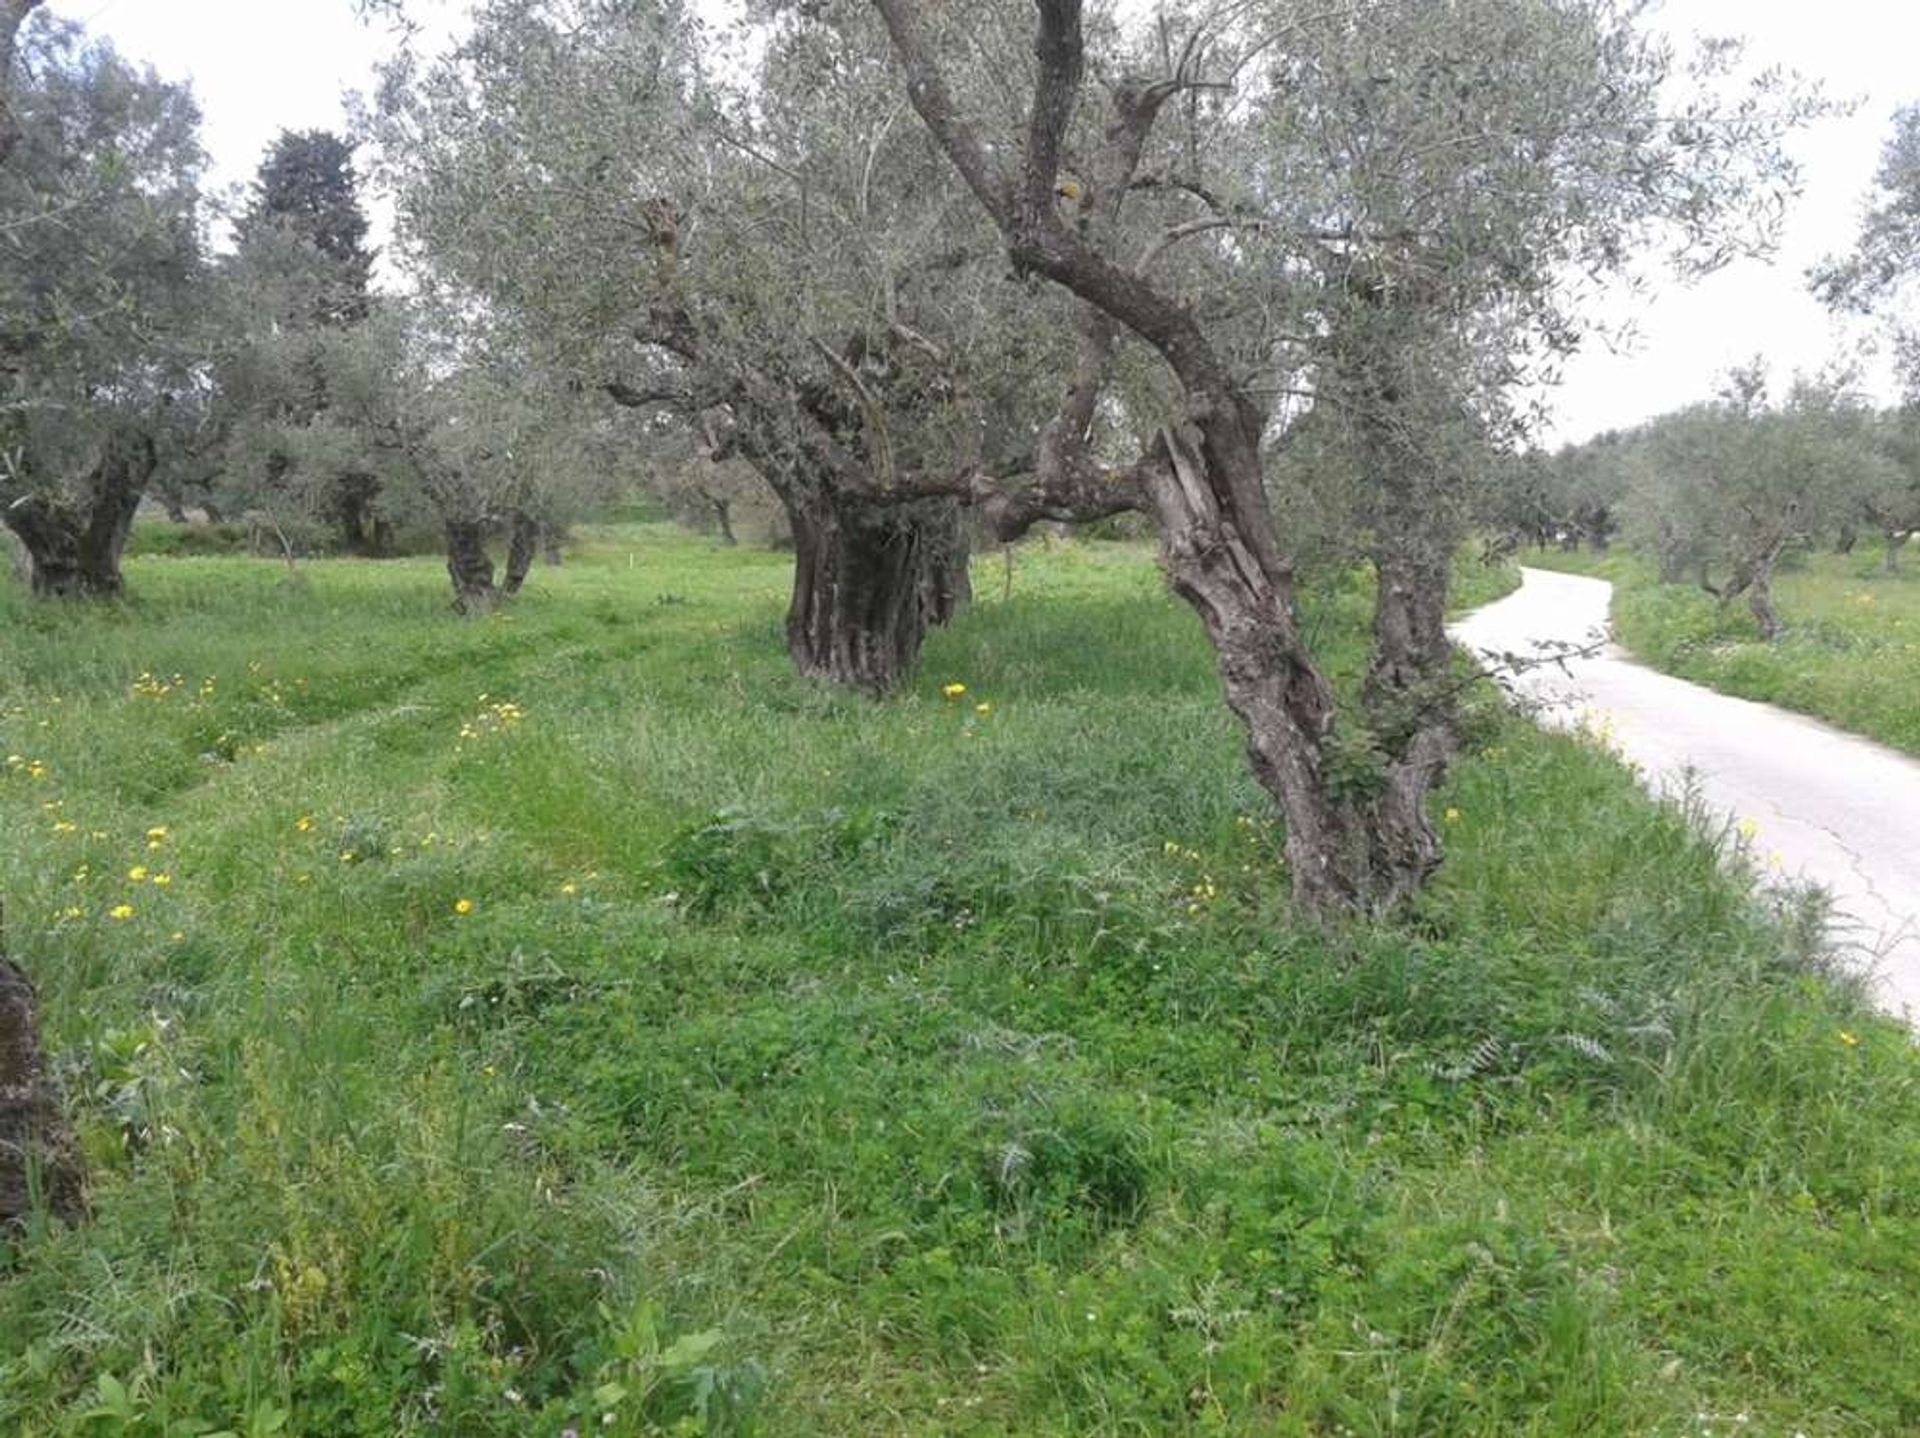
(1819, 804)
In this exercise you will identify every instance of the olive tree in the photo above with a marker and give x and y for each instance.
(763, 247)
(100, 271)
(1891, 493)
(1729, 488)
(1394, 205)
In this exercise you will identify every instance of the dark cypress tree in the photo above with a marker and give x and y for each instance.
(307, 187)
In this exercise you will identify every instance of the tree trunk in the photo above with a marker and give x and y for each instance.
(1407, 698)
(212, 512)
(176, 511)
(723, 517)
(1356, 843)
(1760, 600)
(1896, 541)
(363, 533)
(552, 537)
(37, 1155)
(523, 540)
(50, 533)
(1845, 540)
(74, 550)
(860, 579)
(470, 566)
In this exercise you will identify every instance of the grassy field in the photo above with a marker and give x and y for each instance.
(573, 1022)
(1850, 654)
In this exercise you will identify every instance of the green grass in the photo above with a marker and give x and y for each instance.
(1850, 653)
(813, 1066)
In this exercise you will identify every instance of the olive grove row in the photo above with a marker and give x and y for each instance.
(1282, 279)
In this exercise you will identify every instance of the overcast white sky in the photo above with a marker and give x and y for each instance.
(263, 65)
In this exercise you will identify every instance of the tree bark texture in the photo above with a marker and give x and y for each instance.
(862, 577)
(38, 1160)
(523, 541)
(1760, 600)
(1357, 842)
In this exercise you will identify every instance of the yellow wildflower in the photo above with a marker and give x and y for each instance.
(303, 823)
(158, 831)
(1748, 828)
(569, 888)
(120, 911)
(161, 881)
(983, 709)
(1453, 816)
(138, 873)
(954, 690)
(463, 907)
(1852, 1041)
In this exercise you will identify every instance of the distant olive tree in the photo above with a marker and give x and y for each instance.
(1890, 498)
(1725, 490)
(102, 342)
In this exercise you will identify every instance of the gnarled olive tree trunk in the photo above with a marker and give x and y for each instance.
(1753, 578)
(868, 579)
(74, 547)
(469, 566)
(1358, 839)
(1760, 601)
(523, 541)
